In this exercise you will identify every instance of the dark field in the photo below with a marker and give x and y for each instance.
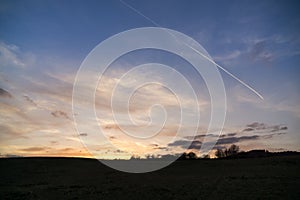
(70, 178)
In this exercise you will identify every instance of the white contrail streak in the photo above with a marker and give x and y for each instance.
(227, 72)
(204, 56)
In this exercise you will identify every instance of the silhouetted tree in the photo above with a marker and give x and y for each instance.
(188, 156)
(135, 157)
(191, 155)
(150, 156)
(232, 150)
(183, 156)
(220, 153)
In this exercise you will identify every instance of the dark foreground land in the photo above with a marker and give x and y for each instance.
(70, 178)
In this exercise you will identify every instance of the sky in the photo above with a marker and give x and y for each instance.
(44, 43)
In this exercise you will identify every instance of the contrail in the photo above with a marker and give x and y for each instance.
(198, 52)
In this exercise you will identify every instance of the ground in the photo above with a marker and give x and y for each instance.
(73, 178)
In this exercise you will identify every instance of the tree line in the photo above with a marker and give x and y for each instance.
(220, 153)
(227, 152)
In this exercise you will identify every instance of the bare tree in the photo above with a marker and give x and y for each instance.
(232, 150)
(220, 153)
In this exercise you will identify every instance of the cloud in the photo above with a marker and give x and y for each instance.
(248, 129)
(186, 143)
(226, 135)
(233, 55)
(272, 135)
(28, 99)
(161, 148)
(222, 142)
(9, 131)
(8, 55)
(44, 150)
(279, 128)
(179, 143)
(10, 156)
(283, 128)
(260, 52)
(111, 127)
(219, 147)
(54, 142)
(256, 126)
(157, 146)
(201, 136)
(253, 48)
(11, 56)
(83, 134)
(35, 149)
(271, 104)
(271, 47)
(195, 145)
(5, 94)
(231, 138)
(231, 134)
(59, 113)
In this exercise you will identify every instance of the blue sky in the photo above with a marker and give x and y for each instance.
(43, 44)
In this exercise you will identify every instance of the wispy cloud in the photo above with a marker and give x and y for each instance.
(83, 134)
(28, 99)
(11, 56)
(259, 51)
(258, 131)
(51, 151)
(230, 56)
(59, 113)
(4, 93)
(256, 126)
